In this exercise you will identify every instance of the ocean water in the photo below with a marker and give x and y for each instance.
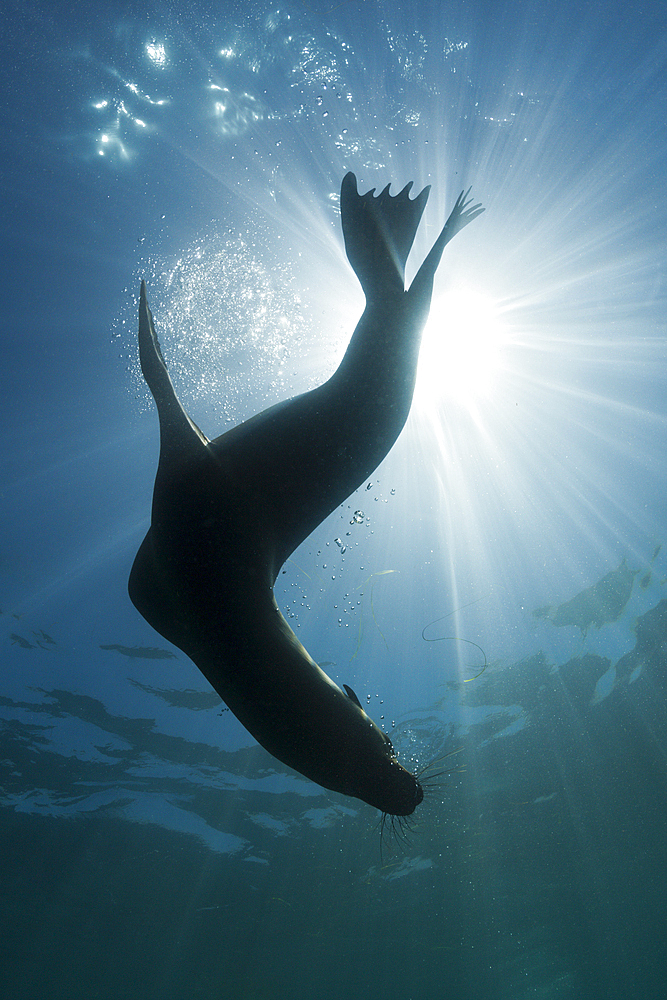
(495, 593)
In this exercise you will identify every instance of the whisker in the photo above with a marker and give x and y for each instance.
(436, 760)
(438, 774)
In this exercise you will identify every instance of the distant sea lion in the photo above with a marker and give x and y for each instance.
(227, 513)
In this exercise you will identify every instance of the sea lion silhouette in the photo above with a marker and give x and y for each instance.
(227, 513)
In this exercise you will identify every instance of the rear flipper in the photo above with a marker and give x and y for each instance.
(379, 233)
(459, 217)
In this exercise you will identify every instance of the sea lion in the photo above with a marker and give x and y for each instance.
(227, 513)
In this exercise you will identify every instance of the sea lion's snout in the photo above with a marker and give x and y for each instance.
(402, 795)
(406, 804)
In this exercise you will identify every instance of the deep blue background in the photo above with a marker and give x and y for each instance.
(149, 848)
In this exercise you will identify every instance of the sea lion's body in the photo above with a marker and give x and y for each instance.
(227, 514)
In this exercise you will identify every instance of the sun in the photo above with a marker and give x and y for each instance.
(460, 351)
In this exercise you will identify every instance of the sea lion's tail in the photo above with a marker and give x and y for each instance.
(379, 233)
(178, 432)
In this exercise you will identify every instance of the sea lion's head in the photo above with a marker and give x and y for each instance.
(374, 773)
(389, 786)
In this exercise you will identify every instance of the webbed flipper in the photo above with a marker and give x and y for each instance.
(379, 233)
(460, 216)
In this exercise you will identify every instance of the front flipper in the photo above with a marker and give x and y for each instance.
(379, 233)
(178, 432)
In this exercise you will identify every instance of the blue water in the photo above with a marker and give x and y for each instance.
(149, 848)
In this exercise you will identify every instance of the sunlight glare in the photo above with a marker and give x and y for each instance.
(460, 351)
